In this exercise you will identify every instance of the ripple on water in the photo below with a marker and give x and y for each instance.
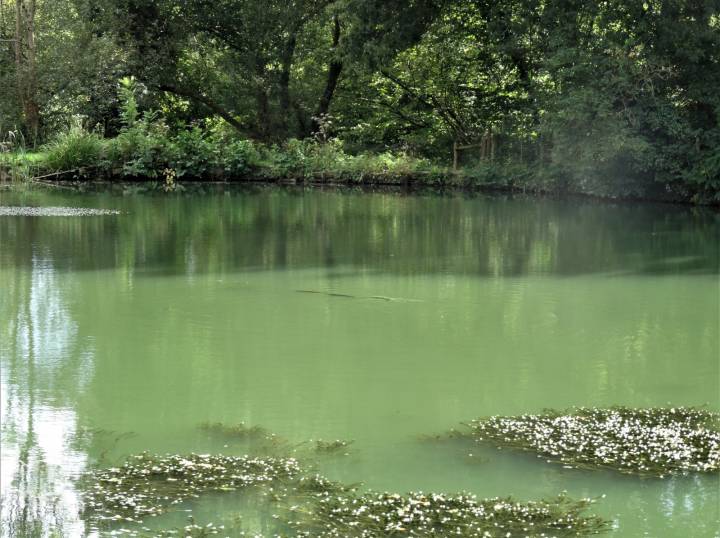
(27, 211)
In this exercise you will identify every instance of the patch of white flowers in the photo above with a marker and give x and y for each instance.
(308, 505)
(28, 211)
(148, 485)
(653, 441)
(433, 514)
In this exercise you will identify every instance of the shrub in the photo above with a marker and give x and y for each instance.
(239, 157)
(193, 154)
(307, 159)
(141, 149)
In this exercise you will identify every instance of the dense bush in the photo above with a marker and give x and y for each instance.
(146, 148)
(313, 160)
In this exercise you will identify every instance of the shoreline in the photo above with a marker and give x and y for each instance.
(404, 185)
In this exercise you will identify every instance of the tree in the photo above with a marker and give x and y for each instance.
(17, 38)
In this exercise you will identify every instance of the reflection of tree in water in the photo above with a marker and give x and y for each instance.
(391, 233)
(39, 355)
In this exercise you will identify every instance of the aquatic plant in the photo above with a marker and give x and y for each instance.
(306, 504)
(332, 447)
(651, 441)
(147, 484)
(30, 211)
(191, 530)
(432, 514)
(260, 440)
(237, 431)
(256, 439)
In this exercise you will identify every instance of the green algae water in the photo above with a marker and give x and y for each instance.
(371, 317)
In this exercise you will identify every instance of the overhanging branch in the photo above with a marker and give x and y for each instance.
(204, 100)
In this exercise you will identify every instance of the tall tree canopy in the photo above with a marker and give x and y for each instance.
(582, 89)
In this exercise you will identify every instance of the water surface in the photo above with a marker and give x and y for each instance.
(368, 317)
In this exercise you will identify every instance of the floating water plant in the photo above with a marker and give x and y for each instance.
(332, 447)
(191, 530)
(652, 441)
(236, 431)
(27, 211)
(307, 505)
(256, 439)
(432, 514)
(262, 441)
(148, 485)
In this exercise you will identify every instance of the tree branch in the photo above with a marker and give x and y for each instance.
(204, 100)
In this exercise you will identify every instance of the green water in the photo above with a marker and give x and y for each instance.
(123, 333)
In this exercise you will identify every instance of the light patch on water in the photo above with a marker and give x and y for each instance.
(28, 211)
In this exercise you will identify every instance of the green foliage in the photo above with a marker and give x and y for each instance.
(239, 157)
(128, 102)
(192, 153)
(327, 161)
(199, 154)
(608, 98)
(140, 150)
(15, 162)
(510, 174)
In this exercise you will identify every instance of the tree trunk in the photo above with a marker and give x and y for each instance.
(285, 102)
(331, 82)
(263, 102)
(25, 65)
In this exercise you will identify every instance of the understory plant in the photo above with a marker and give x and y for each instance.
(327, 160)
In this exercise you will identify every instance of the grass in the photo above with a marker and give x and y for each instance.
(646, 441)
(74, 149)
(31, 157)
(18, 166)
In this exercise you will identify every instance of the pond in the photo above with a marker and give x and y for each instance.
(368, 317)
